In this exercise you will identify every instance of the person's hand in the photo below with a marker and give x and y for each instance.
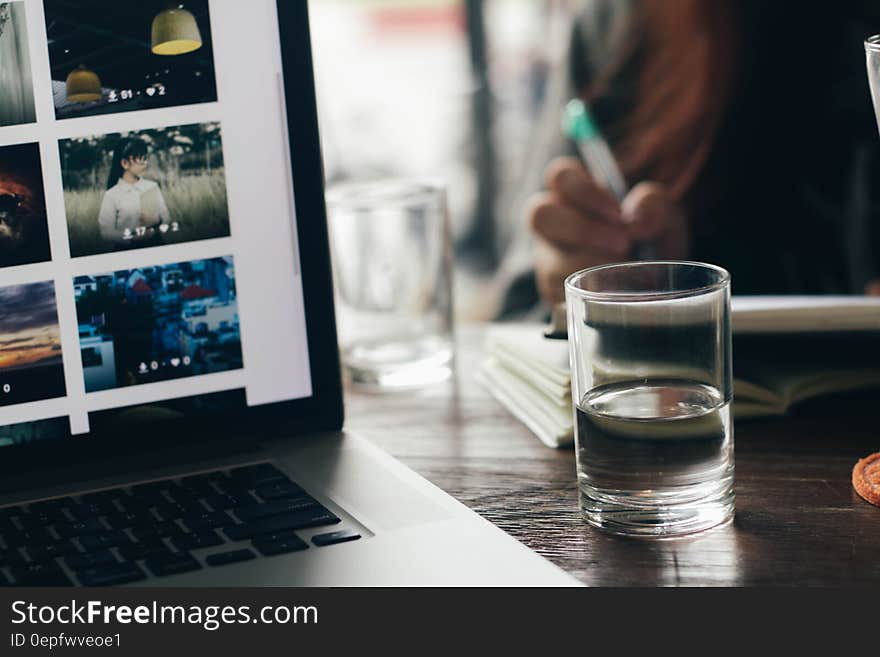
(872, 289)
(579, 224)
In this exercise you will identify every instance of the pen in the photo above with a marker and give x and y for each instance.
(580, 127)
(578, 124)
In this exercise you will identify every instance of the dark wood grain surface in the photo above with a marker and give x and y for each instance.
(798, 520)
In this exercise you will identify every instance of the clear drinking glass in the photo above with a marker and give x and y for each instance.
(651, 382)
(392, 262)
(872, 54)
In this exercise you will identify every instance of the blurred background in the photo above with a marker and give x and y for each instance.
(445, 88)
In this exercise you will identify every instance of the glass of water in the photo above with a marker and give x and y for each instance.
(651, 380)
(392, 265)
(872, 54)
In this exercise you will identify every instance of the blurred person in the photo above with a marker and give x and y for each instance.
(745, 131)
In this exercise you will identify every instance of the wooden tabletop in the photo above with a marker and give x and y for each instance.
(798, 520)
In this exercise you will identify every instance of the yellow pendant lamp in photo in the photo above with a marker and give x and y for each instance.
(175, 32)
(83, 85)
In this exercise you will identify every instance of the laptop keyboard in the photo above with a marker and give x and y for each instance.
(160, 528)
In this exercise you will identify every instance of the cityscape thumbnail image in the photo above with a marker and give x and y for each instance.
(158, 323)
(24, 230)
(16, 81)
(144, 188)
(31, 366)
(108, 56)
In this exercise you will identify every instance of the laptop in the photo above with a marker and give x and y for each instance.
(171, 405)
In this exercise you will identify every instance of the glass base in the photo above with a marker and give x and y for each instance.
(634, 517)
(404, 363)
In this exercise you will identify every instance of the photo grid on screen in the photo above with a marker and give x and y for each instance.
(99, 184)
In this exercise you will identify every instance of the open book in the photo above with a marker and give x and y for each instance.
(786, 350)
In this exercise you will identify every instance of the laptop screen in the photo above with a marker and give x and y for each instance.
(149, 266)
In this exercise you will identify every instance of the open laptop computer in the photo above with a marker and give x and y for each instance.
(171, 405)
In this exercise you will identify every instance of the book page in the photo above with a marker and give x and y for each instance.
(804, 314)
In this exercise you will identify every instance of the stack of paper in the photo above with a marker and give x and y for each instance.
(530, 376)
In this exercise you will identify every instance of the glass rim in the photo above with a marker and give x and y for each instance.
(873, 43)
(723, 281)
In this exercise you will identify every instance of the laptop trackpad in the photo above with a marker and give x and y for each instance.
(364, 483)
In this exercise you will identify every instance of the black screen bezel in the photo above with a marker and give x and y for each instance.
(323, 411)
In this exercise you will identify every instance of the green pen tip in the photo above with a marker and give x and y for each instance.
(577, 122)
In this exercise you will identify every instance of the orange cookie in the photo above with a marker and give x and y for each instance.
(866, 478)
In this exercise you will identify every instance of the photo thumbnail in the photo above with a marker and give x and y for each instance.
(146, 188)
(108, 56)
(31, 367)
(23, 433)
(24, 231)
(158, 323)
(16, 83)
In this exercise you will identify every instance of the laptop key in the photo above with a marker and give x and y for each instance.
(275, 536)
(39, 574)
(254, 476)
(42, 518)
(175, 510)
(316, 517)
(209, 520)
(232, 487)
(87, 510)
(225, 558)
(191, 491)
(129, 519)
(111, 574)
(196, 541)
(281, 546)
(279, 490)
(172, 563)
(157, 530)
(52, 550)
(79, 527)
(145, 550)
(256, 511)
(23, 538)
(104, 540)
(225, 502)
(335, 537)
(141, 503)
(86, 560)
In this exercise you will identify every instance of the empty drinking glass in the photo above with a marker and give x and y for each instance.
(392, 262)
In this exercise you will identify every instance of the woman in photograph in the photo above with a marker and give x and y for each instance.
(133, 212)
